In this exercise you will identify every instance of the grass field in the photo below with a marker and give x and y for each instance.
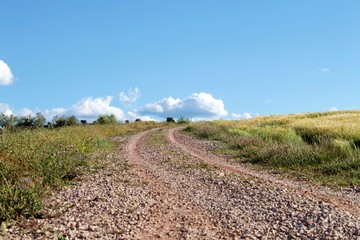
(323, 148)
(32, 162)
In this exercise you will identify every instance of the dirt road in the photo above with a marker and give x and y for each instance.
(162, 184)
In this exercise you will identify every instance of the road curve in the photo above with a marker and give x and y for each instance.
(221, 163)
(234, 201)
(163, 184)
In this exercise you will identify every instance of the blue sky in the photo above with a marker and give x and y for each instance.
(198, 59)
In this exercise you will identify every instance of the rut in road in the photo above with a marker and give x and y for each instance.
(162, 184)
(337, 201)
(172, 217)
(224, 202)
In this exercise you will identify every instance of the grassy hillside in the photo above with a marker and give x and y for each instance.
(320, 147)
(34, 161)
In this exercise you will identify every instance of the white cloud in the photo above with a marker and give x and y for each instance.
(132, 96)
(333, 109)
(132, 116)
(88, 108)
(6, 76)
(25, 112)
(198, 106)
(5, 109)
(49, 114)
(267, 101)
(325, 69)
(241, 116)
(166, 104)
(92, 107)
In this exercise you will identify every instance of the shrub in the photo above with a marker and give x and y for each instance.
(106, 119)
(59, 121)
(39, 120)
(170, 120)
(25, 122)
(183, 120)
(8, 122)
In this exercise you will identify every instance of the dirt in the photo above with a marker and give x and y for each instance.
(163, 184)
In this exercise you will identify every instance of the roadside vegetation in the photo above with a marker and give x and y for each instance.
(323, 148)
(34, 159)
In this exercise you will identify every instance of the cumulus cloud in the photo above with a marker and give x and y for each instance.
(333, 109)
(6, 76)
(198, 106)
(25, 112)
(5, 109)
(88, 108)
(129, 98)
(49, 114)
(92, 107)
(241, 116)
(132, 116)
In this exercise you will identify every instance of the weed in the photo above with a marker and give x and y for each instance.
(183, 120)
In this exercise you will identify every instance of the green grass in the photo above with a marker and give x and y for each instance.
(32, 162)
(323, 147)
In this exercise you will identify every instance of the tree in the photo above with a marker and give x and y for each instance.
(170, 120)
(72, 121)
(64, 121)
(106, 119)
(39, 120)
(25, 122)
(3, 119)
(8, 122)
(58, 121)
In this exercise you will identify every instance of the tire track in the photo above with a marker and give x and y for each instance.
(224, 203)
(220, 163)
(170, 214)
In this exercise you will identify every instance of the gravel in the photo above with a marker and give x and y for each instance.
(152, 189)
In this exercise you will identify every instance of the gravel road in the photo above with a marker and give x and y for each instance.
(162, 184)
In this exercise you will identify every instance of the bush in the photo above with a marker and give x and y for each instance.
(12, 122)
(170, 120)
(183, 120)
(8, 122)
(106, 119)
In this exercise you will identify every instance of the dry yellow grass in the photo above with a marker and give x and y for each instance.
(322, 146)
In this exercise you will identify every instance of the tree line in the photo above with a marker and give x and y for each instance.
(39, 121)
